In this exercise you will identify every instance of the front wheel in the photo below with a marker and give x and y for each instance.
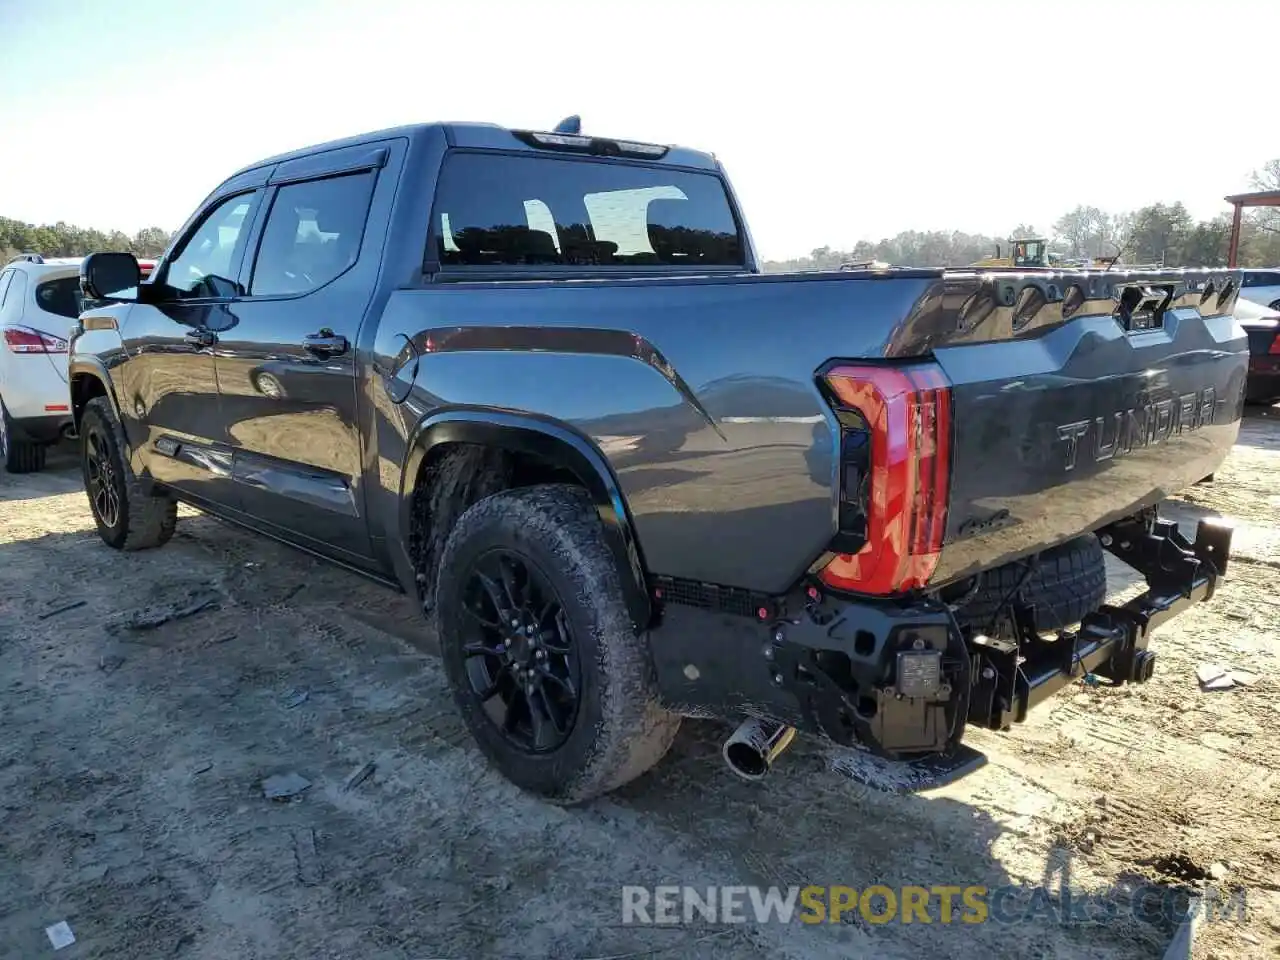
(545, 667)
(128, 516)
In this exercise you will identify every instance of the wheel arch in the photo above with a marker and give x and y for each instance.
(88, 378)
(551, 442)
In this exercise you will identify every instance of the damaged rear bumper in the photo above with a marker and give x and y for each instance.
(904, 679)
(1017, 671)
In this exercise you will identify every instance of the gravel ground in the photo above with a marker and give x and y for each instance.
(132, 762)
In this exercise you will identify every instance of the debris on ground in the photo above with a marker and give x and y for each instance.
(296, 698)
(110, 662)
(63, 608)
(304, 848)
(149, 618)
(203, 766)
(282, 786)
(1215, 676)
(60, 935)
(360, 775)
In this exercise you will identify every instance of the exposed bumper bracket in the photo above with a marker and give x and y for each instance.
(1018, 669)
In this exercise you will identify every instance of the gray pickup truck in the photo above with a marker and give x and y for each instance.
(537, 381)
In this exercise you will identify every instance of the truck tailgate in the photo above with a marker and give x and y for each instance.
(1111, 396)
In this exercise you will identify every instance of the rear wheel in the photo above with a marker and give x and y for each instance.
(550, 677)
(128, 516)
(19, 454)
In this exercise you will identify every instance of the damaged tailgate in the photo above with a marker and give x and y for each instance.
(1080, 398)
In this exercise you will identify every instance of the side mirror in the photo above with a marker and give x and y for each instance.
(110, 276)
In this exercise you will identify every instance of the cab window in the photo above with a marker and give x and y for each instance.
(209, 259)
(312, 235)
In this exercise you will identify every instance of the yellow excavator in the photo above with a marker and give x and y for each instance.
(1033, 252)
(1023, 252)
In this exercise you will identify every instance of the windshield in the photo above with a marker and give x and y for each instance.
(533, 210)
(1028, 253)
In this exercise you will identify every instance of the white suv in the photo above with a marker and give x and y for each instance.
(1262, 286)
(39, 304)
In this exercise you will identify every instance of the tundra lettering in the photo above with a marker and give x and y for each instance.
(538, 382)
(1138, 426)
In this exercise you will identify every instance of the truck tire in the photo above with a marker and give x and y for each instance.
(1070, 580)
(127, 514)
(531, 620)
(18, 454)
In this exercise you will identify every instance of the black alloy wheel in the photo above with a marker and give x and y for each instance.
(520, 657)
(103, 482)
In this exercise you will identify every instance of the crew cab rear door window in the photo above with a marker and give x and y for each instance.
(312, 235)
(496, 209)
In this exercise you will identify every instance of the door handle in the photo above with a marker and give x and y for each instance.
(201, 338)
(326, 343)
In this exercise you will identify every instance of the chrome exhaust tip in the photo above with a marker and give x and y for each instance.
(754, 747)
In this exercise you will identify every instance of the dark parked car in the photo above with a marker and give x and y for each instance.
(1262, 324)
(537, 381)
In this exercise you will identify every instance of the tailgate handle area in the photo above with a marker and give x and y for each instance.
(1141, 306)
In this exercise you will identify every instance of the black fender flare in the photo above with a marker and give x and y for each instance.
(91, 367)
(552, 441)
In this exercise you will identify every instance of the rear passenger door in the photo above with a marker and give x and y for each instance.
(287, 371)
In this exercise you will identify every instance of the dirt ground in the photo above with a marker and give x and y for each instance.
(132, 761)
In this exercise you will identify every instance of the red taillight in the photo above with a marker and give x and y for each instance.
(26, 340)
(908, 414)
(1275, 345)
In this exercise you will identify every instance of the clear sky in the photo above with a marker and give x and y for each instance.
(837, 121)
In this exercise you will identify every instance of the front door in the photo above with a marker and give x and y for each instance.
(170, 402)
(287, 367)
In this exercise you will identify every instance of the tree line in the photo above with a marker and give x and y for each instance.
(64, 240)
(1160, 233)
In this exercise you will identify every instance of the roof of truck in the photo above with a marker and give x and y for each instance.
(474, 135)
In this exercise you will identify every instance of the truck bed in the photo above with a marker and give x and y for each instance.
(703, 394)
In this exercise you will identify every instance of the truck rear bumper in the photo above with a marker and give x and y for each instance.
(904, 679)
(1016, 673)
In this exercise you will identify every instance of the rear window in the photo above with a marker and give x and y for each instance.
(61, 296)
(495, 209)
(1262, 278)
